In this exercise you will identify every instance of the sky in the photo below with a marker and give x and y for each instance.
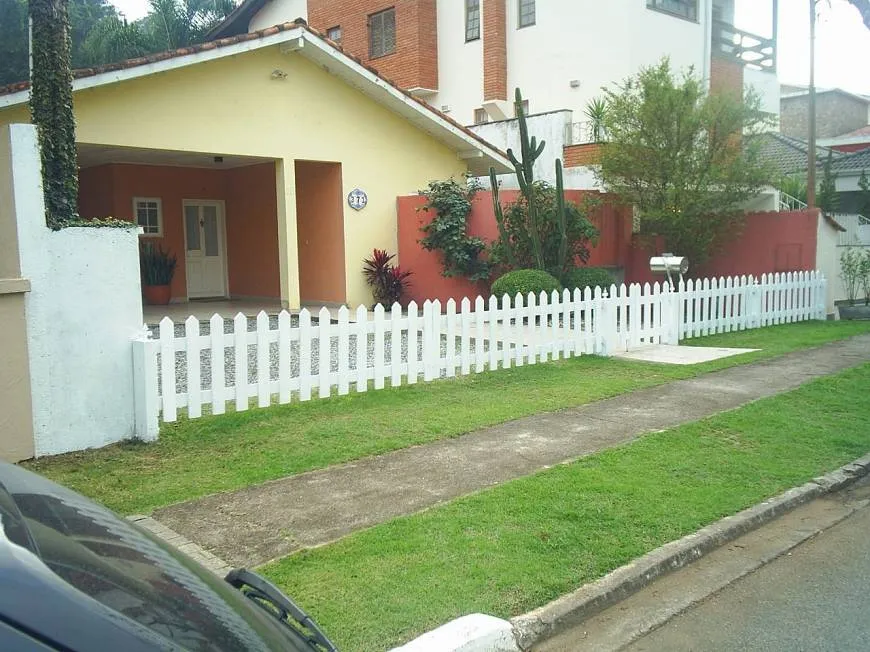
(842, 41)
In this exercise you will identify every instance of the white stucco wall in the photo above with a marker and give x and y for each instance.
(276, 12)
(766, 84)
(460, 65)
(547, 127)
(595, 43)
(83, 310)
(828, 262)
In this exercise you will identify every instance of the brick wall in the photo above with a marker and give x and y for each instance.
(578, 155)
(726, 75)
(415, 61)
(836, 114)
(494, 50)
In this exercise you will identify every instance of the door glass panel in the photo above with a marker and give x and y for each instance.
(191, 225)
(210, 230)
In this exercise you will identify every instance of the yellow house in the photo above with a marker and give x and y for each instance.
(269, 162)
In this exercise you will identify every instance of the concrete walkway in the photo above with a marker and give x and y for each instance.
(260, 523)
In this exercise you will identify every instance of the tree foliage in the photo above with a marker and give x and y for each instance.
(828, 199)
(100, 34)
(681, 157)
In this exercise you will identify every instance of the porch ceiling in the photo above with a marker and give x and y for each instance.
(91, 155)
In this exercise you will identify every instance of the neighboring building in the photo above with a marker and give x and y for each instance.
(854, 141)
(789, 156)
(838, 112)
(465, 57)
(240, 156)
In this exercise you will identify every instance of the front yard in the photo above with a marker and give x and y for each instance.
(221, 453)
(517, 546)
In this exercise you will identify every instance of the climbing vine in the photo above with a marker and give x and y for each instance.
(447, 233)
(51, 108)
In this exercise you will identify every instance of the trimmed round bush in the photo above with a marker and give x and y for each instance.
(588, 277)
(524, 281)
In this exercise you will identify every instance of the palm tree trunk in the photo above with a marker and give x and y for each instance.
(51, 107)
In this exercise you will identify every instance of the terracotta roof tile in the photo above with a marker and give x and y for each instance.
(232, 40)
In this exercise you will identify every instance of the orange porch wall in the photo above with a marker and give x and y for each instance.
(320, 231)
(251, 215)
(252, 231)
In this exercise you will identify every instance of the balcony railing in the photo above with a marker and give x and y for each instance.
(751, 49)
(585, 133)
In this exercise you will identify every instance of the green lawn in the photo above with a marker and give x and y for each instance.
(220, 453)
(517, 546)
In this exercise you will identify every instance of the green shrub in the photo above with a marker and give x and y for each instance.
(517, 231)
(524, 281)
(588, 277)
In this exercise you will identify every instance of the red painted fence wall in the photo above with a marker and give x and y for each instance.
(769, 242)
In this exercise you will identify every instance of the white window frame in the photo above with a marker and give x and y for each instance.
(686, 9)
(520, 13)
(481, 117)
(475, 10)
(330, 34)
(159, 203)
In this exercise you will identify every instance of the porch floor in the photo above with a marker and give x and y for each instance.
(204, 309)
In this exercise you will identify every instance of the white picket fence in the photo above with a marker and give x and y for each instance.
(288, 358)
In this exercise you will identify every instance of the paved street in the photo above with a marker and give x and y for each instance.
(816, 598)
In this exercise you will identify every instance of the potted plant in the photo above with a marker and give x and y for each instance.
(855, 272)
(388, 282)
(158, 268)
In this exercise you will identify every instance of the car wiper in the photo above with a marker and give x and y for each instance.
(261, 590)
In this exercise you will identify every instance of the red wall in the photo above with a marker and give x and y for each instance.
(614, 223)
(856, 147)
(769, 242)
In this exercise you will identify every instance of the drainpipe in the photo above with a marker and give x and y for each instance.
(708, 41)
(811, 149)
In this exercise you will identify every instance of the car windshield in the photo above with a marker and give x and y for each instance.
(133, 574)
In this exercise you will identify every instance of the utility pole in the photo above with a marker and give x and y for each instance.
(811, 149)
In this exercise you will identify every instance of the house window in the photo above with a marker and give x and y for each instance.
(687, 9)
(334, 34)
(472, 20)
(524, 106)
(527, 13)
(149, 215)
(480, 117)
(382, 33)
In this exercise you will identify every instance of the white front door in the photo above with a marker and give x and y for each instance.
(204, 238)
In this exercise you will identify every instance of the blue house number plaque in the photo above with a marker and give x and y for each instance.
(357, 199)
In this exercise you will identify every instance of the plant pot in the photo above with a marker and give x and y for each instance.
(157, 295)
(858, 311)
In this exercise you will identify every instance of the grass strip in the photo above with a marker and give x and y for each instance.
(517, 546)
(203, 456)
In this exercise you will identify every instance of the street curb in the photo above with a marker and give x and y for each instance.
(569, 610)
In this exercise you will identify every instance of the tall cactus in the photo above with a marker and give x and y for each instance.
(499, 218)
(562, 215)
(530, 150)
